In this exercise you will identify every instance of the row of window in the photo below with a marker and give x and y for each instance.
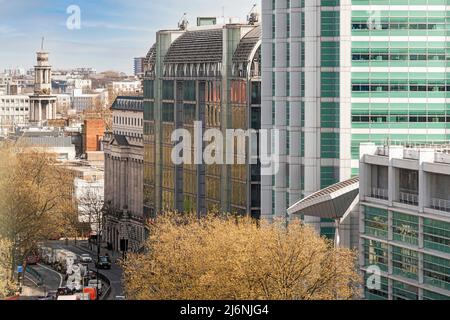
(406, 262)
(400, 87)
(399, 2)
(14, 109)
(22, 101)
(127, 121)
(361, 57)
(398, 26)
(405, 228)
(400, 118)
(129, 134)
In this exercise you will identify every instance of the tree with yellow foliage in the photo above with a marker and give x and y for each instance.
(234, 258)
(7, 286)
(35, 193)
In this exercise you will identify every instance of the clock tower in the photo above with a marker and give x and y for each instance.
(42, 103)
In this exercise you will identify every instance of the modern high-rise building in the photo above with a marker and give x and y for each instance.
(209, 75)
(404, 223)
(337, 73)
(139, 66)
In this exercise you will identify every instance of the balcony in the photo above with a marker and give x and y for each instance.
(379, 193)
(440, 204)
(409, 198)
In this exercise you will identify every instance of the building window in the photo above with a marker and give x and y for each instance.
(436, 271)
(403, 291)
(436, 235)
(375, 222)
(405, 228)
(376, 253)
(405, 262)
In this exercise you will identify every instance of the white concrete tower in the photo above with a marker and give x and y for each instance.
(42, 103)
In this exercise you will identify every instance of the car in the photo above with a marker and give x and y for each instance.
(52, 295)
(32, 259)
(95, 284)
(85, 258)
(103, 262)
(64, 291)
(91, 275)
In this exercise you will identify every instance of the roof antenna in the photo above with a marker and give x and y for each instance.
(183, 24)
(253, 16)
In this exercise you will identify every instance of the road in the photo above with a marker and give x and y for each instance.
(114, 275)
(51, 279)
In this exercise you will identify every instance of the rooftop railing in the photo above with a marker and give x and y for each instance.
(379, 193)
(409, 198)
(440, 204)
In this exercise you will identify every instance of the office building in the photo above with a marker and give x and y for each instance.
(126, 87)
(139, 66)
(341, 72)
(14, 110)
(209, 74)
(405, 221)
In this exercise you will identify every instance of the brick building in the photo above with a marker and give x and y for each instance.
(93, 132)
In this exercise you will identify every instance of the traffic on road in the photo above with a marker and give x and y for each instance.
(79, 279)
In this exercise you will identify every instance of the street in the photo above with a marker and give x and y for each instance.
(114, 275)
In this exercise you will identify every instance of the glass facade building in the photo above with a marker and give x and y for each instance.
(209, 76)
(369, 71)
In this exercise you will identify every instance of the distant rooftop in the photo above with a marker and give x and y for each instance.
(49, 141)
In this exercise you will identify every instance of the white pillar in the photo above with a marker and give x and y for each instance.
(312, 103)
(40, 112)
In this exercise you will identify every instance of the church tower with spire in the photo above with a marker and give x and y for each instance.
(42, 103)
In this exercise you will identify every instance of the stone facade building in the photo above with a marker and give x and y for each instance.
(124, 157)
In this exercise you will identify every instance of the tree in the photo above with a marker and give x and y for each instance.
(7, 286)
(35, 190)
(235, 258)
(91, 208)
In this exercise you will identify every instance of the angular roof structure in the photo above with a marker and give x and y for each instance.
(332, 202)
(247, 45)
(129, 103)
(151, 56)
(121, 140)
(202, 46)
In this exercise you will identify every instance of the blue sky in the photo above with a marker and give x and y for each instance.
(112, 31)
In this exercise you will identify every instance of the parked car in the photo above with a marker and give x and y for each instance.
(85, 258)
(32, 259)
(103, 263)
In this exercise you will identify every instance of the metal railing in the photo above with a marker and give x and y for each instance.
(380, 193)
(440, 204)
(36, 275)
(409, 198)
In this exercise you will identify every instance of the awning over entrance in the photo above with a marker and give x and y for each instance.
(332, 202)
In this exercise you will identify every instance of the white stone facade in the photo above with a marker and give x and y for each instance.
(124, 157)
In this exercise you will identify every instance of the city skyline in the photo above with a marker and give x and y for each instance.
(127, 29)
